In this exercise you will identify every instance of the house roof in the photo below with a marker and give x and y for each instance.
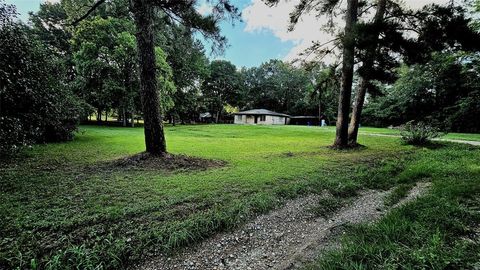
(261, 112)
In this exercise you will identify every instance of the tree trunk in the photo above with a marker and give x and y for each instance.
(99, 115)
(341, 139)
(368, 69)
(357, 112)
(143, 12)
(124, 117)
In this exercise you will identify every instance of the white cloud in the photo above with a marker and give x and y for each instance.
(260, 17)
(204, 8)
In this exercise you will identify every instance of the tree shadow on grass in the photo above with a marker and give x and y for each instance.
(430, 145)
(165, 163)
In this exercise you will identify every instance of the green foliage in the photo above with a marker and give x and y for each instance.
(166, 86)
(12, 136)
(397, 194)
(418, 133)
(441, 91)
(221, 86)
(437, 231)
(50, 25)
(34, 103)
(277, 86)
(106, 64)
(327, 206)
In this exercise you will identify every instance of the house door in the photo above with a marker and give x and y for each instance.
(256, 119)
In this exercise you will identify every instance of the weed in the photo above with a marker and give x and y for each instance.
(326, 206)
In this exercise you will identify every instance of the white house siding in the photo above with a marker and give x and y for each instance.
(239, 119)
(269, 119)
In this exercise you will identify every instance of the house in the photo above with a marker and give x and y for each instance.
(261, 117)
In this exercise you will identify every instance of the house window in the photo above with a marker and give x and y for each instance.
(262, 118)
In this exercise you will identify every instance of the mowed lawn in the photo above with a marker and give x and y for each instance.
(62, 207)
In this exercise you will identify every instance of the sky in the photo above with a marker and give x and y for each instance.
(261, 35)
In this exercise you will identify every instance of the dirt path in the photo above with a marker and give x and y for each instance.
(283, 239)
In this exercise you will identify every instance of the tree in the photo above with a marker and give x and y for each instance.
(348, 42)
(50, 25)
(348, 39)
(277, 86)
(220, 87)
(366, 70)
(323, 94)
(106, 69)
(187, 58)
(35, 107)
(183, 12)
(443, 91)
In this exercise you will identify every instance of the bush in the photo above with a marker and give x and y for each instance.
(36, 104)
(12, 137)
(418, 133)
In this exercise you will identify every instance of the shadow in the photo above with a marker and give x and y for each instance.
(430, 145)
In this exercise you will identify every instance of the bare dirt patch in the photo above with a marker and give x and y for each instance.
(286, 238)
(166, 162)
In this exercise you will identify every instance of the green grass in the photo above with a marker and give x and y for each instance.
(61, 209)
(448, 136)
(437, 231)
(397, 194)
(326, 206)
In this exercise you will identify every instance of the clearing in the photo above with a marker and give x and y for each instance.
(64, 206)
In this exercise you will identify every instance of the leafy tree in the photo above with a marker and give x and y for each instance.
(323, 94)
(347, 39)
(35, 106)
(443, 91)
(50, 25)
(143, 12)
(371, 39)
(166, 86)
(277, 86)
(187, 58)
(220, 87)
(105, 65)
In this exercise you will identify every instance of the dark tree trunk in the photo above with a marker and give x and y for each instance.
(368, 69)
(143, 12)
(124, 117)
(341, 139)
(357, 112)
(99, 115)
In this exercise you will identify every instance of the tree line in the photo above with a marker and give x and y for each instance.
(142, 59)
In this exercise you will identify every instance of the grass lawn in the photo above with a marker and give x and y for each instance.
(451, 136)
(62, 209)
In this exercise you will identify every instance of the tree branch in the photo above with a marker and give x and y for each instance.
(89, 11)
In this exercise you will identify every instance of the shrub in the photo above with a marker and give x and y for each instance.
(12, 137)
(36, 104)
(418, 133)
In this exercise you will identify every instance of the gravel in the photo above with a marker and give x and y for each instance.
(282, 239)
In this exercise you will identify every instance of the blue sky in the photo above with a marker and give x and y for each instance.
(246, 48)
